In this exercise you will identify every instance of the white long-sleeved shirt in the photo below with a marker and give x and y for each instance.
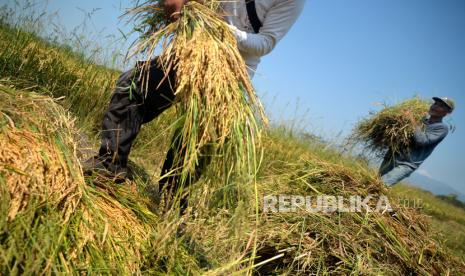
(276, 16)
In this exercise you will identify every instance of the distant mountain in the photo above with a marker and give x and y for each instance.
(434, 186)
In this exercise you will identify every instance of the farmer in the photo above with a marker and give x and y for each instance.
(258, 27)
(395, 168)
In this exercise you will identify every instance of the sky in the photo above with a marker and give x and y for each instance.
(339, 60)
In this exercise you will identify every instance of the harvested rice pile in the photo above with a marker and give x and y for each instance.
(392, 128)
(218, 109)
(51, 221)
(342, 243)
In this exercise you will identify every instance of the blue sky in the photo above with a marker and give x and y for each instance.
(341, 57)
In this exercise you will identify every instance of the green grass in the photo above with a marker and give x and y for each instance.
(217, 240)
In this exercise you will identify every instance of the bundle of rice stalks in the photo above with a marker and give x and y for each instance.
(51, 220)
(219, 113)
(299, 242)
(392, 128)
(32, 163)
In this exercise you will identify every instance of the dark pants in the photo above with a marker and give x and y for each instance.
(135, 102)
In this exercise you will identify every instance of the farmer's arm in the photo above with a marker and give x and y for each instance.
(432, 135)
(277, 23)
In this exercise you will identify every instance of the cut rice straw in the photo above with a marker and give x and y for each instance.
(219, 113)
(391, 130)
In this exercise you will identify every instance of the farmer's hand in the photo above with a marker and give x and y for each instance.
(173, 9)
(240, 35)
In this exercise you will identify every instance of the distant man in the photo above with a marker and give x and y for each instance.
(393, 170)
(258, 26)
